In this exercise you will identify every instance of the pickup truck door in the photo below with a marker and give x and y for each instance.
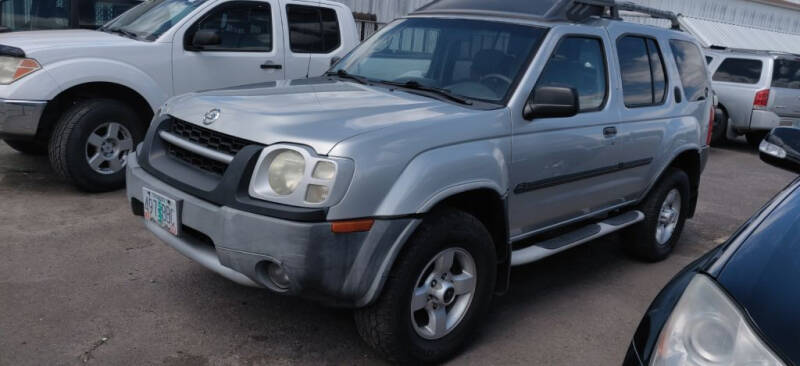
(250, 48)
(313, 37)
(563, 169)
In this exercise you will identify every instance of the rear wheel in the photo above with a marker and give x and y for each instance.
(719, 135)
(90, 144)
(438, 292)
(755, 138)
(28, 147)
(665, 210)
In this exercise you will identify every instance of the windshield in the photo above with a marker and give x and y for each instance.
(151, 19)
(471, 58)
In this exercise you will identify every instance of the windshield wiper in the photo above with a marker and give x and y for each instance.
(121, 31)
(415, 85)
(342, 73)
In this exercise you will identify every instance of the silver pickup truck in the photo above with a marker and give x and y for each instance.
(462, 140)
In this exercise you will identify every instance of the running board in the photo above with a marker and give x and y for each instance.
(585, 234)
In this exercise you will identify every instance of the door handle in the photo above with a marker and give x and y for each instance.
(609, 132)
(271, 66)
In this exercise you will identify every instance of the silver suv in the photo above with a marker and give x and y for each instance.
(757, 90)
(462, 140)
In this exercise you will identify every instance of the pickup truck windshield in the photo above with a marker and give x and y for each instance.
(151, 19)
(475, 59)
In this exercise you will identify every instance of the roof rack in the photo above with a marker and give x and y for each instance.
(547, 10)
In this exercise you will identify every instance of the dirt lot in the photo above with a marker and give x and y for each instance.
(82, 282)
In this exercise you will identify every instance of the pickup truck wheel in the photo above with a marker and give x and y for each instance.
(719, 135)
(665, 211)
(755, 138)
(438, 292)
(90, 143)
(28, 147)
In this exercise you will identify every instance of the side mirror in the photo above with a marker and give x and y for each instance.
(204, 38)
(781, 148)
(551, 102)
(335, 60)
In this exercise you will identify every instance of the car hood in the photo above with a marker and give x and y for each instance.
(762, 276)
(33, 41)
(318, 112)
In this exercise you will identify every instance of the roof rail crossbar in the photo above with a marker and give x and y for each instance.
(652, 12)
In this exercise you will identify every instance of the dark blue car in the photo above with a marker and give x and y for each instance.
(739, 304)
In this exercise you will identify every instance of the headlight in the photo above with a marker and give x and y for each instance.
(15, 68)
(295, 175)
(772, 149)
(286, 171)
(706, 328)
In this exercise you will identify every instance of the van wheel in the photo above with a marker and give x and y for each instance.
(28, 147)
(719, 136)
(90, 143)
(665, 211)
(755, 138)
(438, 292)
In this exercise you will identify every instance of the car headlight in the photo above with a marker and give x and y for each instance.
(15, 68)
(706, 328)
(286, 171)
(295, 175)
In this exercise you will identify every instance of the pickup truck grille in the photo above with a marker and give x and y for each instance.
(200, 147)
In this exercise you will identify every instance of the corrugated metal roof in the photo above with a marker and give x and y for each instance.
(713, 33)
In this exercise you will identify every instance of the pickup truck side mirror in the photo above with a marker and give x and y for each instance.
(781, 148)
(551, 102)
(203, 38)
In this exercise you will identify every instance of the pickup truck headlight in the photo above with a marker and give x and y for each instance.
(15, 68)
(296, 176)
(707, 328)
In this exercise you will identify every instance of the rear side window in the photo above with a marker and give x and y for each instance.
(692, 69)
(579, 63)
(786, 74)
(642, 68)
(739, 70)
(313, 29)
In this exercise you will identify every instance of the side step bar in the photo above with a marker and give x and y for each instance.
(585, 234)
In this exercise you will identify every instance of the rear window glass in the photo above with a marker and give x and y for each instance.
(643, 78)
(786, 74)
(692, 69)
(739, 70)
(313, 29)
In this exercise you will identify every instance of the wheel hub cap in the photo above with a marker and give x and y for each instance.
(107, 148)
(668, 216)
(443, 293)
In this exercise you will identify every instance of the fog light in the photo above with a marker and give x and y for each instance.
(278, 276)
(316, 193)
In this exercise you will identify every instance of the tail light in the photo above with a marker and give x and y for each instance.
(761, 100)
(710, 126)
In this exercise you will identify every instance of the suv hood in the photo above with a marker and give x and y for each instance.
(32, 41)
(318, 112)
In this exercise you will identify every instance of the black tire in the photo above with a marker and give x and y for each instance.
(719, 136)
(386, 325)
(68, 143)
(640, 239)
(28, 147)
(755, 138)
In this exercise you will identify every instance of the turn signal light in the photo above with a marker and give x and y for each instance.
(353, 226)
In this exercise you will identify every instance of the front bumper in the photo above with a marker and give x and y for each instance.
(337, 269)
(19, 119)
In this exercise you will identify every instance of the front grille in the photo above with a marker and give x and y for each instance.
(196, 160)
(206, 138)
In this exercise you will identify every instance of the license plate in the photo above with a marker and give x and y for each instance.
(161, 210)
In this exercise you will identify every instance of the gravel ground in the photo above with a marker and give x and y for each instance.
(82, 282)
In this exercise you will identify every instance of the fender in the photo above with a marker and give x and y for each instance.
(437, 174)
(72, 72)
(666, 164)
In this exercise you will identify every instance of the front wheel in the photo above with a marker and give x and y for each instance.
(90, 144)
(665, 210)
(438, 292)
